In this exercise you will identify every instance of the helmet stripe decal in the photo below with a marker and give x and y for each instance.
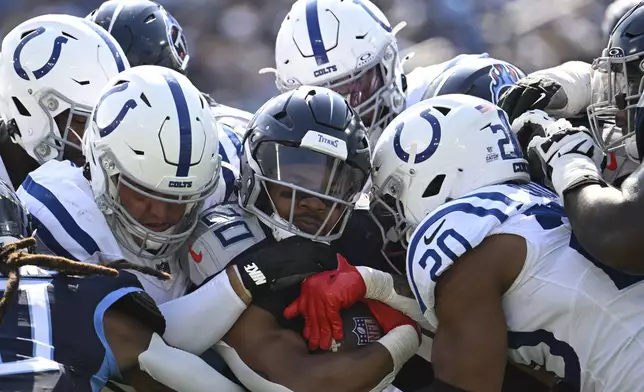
(374, 16)
(109, 41)
(185, 128)
(315, 35)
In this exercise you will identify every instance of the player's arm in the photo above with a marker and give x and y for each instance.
(562, 91)
(470, 347)
(608, 221)
(135, 344)
(195, 322)
(282, 357)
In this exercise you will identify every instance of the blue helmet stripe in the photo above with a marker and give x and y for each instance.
(185, 128)
(315, 35)
(120, 64)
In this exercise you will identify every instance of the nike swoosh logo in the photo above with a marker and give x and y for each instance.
(195, 256)
(543, 95)
(431, 237)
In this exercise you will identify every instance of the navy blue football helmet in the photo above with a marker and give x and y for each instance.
(483, 77)
(305, 152)
(148, 34)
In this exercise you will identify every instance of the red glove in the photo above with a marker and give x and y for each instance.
(322, 297)
(389, 318)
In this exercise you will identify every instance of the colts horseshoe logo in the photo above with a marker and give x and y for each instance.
(53, 59)
(433, 144)
(129, 104)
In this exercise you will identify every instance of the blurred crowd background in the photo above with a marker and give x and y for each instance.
(230, 40)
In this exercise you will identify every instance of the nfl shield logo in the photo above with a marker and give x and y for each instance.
(366, 330)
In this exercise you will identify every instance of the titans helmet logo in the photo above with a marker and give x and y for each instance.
(503, 76)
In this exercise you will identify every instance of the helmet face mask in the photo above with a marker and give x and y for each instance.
(616, 112)
(291, 177)
(616, 90)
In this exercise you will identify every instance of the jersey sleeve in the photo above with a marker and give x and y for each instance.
(223, 232)
(66, 218)
(575, 80)
(448, 233)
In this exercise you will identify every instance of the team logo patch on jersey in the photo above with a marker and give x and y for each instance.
(366, 330)
(503, 76)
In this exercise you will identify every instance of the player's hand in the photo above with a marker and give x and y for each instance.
(572, 150)
(389, 318)
(283, 264)
(530, 124)
(321, 299)
(531, 92)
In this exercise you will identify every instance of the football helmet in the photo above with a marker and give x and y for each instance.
(348, 46)
(305, 154)
(50, 66)
(153, 133)
(148, 34)
(482, 77)
(616, 113)
(438, 150)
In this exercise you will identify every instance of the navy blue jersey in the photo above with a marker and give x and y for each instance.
(53, 333)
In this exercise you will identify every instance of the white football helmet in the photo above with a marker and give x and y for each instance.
(152, 132)
(438, 150)
(49, 65)
(345, 45)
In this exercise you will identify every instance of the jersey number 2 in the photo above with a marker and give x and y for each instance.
(26, 331)
(508, 138)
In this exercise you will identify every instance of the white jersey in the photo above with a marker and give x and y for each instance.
(565, 313)
(224, 231)
(69, 223)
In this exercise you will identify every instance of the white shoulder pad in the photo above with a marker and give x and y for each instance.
(223, 232)
(575, 80)
(457, 227)
(66, 217)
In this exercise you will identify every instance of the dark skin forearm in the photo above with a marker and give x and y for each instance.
(609, 222)
(281, 356)
(128, 338)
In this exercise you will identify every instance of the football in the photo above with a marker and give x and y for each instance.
(360, 328)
